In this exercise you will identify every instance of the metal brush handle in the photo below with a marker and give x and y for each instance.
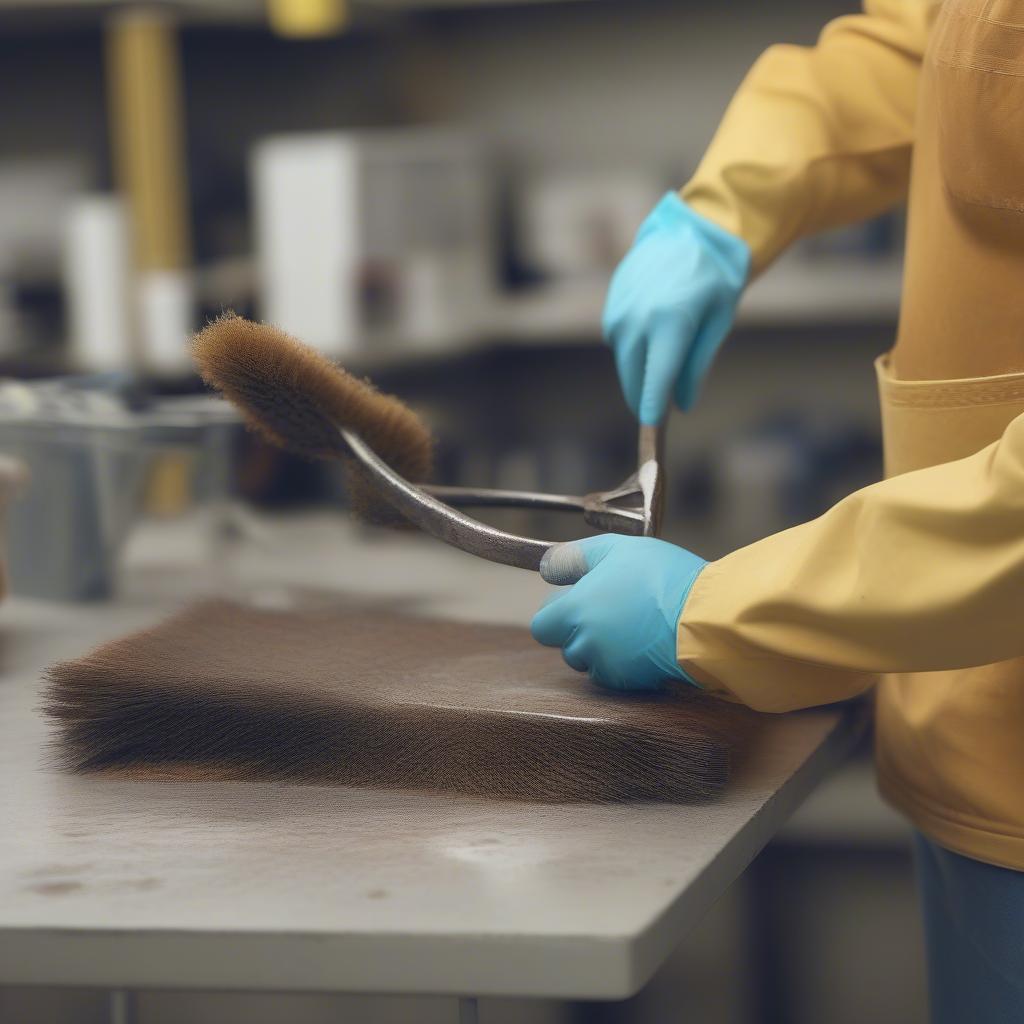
(632, 508)
(489, 497)
(441, 520)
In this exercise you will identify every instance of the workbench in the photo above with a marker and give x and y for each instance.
(152, 884)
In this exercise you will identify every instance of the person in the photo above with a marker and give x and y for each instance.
(913, 585)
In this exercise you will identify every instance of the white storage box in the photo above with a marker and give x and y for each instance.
(373, 236)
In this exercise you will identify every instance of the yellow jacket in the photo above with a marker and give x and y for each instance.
(916, 582)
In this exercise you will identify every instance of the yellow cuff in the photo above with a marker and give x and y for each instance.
(712, 645)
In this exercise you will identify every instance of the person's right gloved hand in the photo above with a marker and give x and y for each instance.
(670, 304)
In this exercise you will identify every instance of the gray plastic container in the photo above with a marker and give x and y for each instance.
(88, 458)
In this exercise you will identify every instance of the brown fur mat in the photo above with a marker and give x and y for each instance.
(374, 698)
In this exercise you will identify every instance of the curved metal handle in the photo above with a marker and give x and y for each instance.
(424, 508)
(441, 520)
(489, 497)
(635, 506)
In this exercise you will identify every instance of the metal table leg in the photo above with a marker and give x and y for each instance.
(122, 1007)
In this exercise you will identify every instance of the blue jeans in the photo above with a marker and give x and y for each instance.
(974, 935)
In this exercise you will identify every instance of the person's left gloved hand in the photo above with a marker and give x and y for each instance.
(619, 621)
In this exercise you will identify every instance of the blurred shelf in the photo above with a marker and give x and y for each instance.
(434, 5)
(831, 290)
(795, 292)
(235, 11)
(188, 10)
(214, 7)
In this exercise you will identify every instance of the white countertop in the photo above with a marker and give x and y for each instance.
(121, 883)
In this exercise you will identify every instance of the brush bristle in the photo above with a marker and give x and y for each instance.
(358, 695)
(297, 399)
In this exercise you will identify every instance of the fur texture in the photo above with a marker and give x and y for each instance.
(378, 699)
(296, 398)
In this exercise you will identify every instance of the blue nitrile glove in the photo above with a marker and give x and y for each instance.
(670, 305)
(618, 622)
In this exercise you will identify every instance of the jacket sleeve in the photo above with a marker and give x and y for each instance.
(921, 572)
(818, 136)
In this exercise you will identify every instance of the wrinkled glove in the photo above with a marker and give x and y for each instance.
(671, 302)
(618, 622)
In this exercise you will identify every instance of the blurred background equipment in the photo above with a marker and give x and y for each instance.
(97, 283)
(435, 190)
(91, 447)
(36, 194)
(577, 224)
(364, 237)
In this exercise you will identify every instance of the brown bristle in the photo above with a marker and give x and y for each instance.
(296, 398)
(363, 696)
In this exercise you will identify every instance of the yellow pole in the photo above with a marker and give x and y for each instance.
(307, 18)
(145, 97)
(148, 142)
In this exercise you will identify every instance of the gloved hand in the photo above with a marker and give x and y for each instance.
(619, 621)
(670, 305)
